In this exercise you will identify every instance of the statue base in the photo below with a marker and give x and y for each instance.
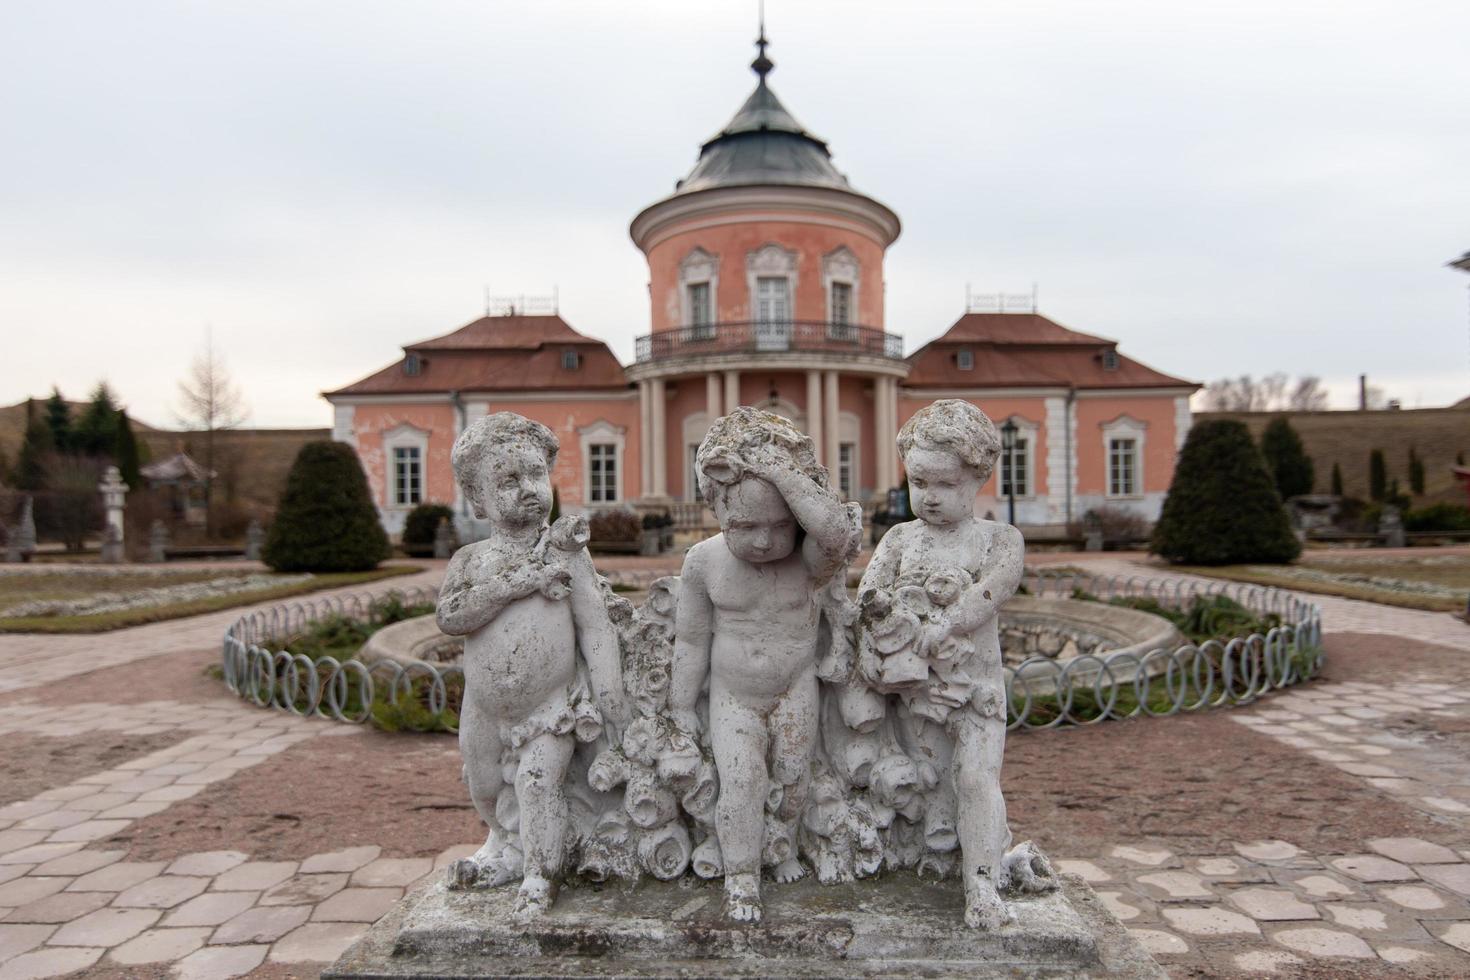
(897, 925)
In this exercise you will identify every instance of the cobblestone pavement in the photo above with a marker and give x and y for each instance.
(70, 903)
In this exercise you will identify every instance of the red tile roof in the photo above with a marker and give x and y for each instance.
(501, 353)
(1027, 350)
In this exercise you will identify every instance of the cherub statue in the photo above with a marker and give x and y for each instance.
(748, 617)
(541, 663)
(950, 572)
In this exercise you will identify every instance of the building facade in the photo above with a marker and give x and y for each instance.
(766, 284)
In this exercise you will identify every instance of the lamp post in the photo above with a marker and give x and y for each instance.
(1008, 443)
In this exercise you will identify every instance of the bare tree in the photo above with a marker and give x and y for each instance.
(1272, 393)
(209, 402)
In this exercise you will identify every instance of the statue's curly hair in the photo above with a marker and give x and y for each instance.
(748, 433)
(957, 427)
(490, 434)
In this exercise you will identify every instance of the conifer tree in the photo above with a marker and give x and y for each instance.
(1377, 476)
(1336, 480)
(326, 521)
(95, 433)
(58, 418)
(36, 450)
(1222, 505)
(1286, 458)
(1416, 473)
(125, 453)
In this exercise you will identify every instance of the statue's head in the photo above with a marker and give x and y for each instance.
(502, 463)
(949, 449)
(756, 521)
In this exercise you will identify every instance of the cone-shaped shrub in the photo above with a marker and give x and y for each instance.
(1287, 459)
(1223, 506)
(325, 521)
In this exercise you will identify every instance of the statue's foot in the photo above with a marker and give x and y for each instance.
(1027, 870)
(743, 898)
(789, 870)
(485, 869)
(535, 897)
(984, 908)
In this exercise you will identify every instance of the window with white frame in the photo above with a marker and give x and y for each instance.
(602, 473)
(408, 476)
(698, 300)
(847, 469)
(773, 300)
(1122, 467)
(841, 312)
(1016, 461)
(840, 271)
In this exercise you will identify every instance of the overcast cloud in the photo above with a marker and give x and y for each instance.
(1225, 187)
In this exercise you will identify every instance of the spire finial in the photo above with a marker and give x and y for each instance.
(762, 65)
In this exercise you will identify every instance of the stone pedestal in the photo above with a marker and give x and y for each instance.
(895, 926)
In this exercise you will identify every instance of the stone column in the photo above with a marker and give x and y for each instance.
(660, 441)
(882, 479)
(732, 391)
(712, 403)
(113, 490)
(645, 440)
(888, 448)
(814, 410)
(833, 434)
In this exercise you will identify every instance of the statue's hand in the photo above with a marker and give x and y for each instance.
(931, 638)
(723, 468)
(555, 582)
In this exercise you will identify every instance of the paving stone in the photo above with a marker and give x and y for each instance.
(1271, 905)
(391, 872)
(1322, 886)
(261, 925)
(1455, 877)
(1210, 922)
(305, 889)
(24, 891)
(163, 892)
(159, 946)
(49, 963)
(1268, 850)
(1325, 942)
(1402, 955)
(136, 810)
(90, 830)
(41, 853)
(17, 939)
(9, 872)
(1174, 885)
(357, 905)
(80, 863)
(61, 907)
(14, 840)
(1371, 867)
(1153, 857)
(1446, 804)
(317, 942)
(348, 859)
(117, 877)
(104, 927)
(101, 801)
(1121, 910)
(1217, 867)
(1265, 961)
(255, 876)
(1413, 851)
(220, 962)
(1456, 935)
(55, 820)
(207, 863)
(211, 909)
(21, 809)
(1366, 769)
(1159, 943)
(1085, 870)
(1415, 897)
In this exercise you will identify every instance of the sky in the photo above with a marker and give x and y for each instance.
(1224, 187)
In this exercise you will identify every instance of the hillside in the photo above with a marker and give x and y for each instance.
(1347, 438)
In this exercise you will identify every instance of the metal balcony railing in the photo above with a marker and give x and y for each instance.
(754, 336)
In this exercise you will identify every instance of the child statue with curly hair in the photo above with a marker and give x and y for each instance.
(949, 450)
(528, 602)
(747, 617)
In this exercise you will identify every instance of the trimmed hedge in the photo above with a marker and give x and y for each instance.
(422, 524)
(326, 521)
(1223, 507)
(1287, 459)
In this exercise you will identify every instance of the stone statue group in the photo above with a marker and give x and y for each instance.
(751, 716)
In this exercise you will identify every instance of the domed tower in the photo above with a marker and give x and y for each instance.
(766, 283)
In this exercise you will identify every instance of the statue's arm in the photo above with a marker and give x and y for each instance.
(998, 581)
(819, 512)
(693, 633)
(465, 606)
(882, 570)
(598, 641)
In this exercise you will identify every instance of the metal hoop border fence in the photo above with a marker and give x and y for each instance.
(1196, 676)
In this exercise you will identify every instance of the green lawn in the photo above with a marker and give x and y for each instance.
(17, 587)
(1442, 580)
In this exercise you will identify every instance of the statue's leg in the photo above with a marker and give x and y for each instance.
(793, 727)
(541, 792)
(738, 737)
(984, 835)
(497, 861)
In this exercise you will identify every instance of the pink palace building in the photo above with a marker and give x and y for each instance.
(766, 284)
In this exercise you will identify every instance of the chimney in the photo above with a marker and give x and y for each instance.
(1362, 393)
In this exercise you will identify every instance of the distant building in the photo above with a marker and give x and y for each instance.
(767, 289)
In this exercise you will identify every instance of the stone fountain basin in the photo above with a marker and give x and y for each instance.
(1038, 636)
